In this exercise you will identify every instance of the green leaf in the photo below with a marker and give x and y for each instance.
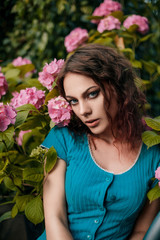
(12, 73)
(5, 216)
(61, 4)
(22, 201)
(4, 165)
(7, 135)
(34, 210)
(52, 94)
(109, 34)
(33, 174)
(34, 82)
(9, 184)
(117, 14)
(14, 211)
(17, 181)
(25, 69)
(32, 122)
(129, 52)
(21, 117)
(150, 138)
(104, 41)
(51, 159)
(94, 17)
(149, 66)
(158, 69)
(132, 28)
(27, 107)
(6, 154)
(154, 123)
(127, 35)
(154, 193)
(146, 82)
(93, 36)
(136, 64)
(143, 39)
(2, 176)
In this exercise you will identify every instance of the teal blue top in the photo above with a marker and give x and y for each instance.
(101, 205)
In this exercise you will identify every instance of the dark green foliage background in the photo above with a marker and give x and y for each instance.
(36, 29)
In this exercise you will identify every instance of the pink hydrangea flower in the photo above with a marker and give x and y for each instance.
(108, 23)
(19, 139)
(106, 8)
(28, 95)
(3, 84)
(50, 72)
(59, 111)
(142, 22)
(157, 174)
(7, 116)
(19, 61)
(76, 37)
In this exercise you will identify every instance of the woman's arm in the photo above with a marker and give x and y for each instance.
(56, 223)
(145, 219)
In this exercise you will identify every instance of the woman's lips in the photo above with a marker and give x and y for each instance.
(92, 123)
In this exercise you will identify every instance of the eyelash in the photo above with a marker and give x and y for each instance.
(95, 94)
(90, 95)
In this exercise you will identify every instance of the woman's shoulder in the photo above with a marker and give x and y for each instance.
(63, 140)
(56, 134)
(154, 150)
(62, 135)
(151, 156)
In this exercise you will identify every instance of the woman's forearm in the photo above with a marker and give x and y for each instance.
(137, 236)
(57, 230)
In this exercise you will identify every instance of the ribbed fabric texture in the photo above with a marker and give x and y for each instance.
(101, 205)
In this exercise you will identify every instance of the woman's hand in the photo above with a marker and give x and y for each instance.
(145, 219)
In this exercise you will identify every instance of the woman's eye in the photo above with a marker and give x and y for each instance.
(73, 102)
(93, 94)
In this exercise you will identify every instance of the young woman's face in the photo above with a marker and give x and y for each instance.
(87, 102)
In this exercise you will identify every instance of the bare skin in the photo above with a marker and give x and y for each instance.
(56, 223)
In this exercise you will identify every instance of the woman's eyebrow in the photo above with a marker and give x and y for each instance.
(84, 93)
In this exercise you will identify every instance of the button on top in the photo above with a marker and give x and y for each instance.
(96, 221)
(108, 179)
(89, 236)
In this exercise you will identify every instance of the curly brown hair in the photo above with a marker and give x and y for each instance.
(105, 65)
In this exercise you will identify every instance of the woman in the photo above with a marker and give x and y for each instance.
(97, 190)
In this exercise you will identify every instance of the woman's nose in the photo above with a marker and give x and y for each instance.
(84, 108)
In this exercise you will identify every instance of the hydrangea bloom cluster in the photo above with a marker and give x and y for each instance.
(19, 61)
(105, 8)
(3, 84)
(28, 95)
(7, 116)
(50, 72)
(108, 23)
(142, 22)
(157, 175)
(20, 137)
(59, 111)
(76, 37)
